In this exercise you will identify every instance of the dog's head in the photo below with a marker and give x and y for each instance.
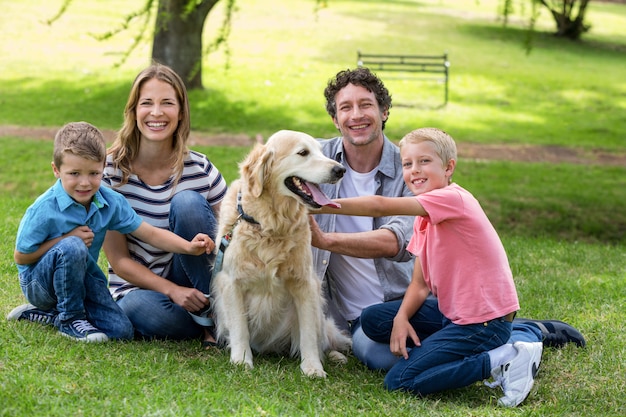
(292, 164)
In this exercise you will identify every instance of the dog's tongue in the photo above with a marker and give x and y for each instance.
(319, 197)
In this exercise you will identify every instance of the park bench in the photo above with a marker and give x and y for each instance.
(431, 64)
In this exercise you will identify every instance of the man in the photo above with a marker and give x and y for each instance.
(364, 261)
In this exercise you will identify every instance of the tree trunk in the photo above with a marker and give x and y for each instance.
(562, 11)
(178, 37)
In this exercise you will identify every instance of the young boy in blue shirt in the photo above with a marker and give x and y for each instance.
(60, 236)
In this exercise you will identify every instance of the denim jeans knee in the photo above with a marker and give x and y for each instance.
(57, 279)
(375, 355)
(190, 214)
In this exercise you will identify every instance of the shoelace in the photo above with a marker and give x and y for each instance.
(84, 326)
(497, 376)
(39, 318)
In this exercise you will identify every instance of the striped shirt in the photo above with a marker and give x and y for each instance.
(152, 204)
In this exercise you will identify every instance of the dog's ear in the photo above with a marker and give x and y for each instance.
(256, 168)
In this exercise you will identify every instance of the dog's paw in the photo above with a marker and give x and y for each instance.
(242, 357)
(313, 369)
(337, 357)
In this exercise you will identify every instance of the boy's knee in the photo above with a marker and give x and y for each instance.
(72, 247)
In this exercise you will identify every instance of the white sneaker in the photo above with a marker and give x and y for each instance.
(517, 376)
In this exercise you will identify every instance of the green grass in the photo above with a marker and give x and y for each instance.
(580, 279)
(563, 225)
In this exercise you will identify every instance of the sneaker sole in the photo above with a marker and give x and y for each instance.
(17, 311)
(92, 338)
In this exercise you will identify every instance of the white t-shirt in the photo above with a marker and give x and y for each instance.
(356, 281)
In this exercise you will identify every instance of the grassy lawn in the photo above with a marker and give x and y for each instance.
(563, 225)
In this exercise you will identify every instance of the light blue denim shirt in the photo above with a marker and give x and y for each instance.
(394, 273)
(55, 213)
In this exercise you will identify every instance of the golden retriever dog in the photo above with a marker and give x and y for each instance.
(267, 297)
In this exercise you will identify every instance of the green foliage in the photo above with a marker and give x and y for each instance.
(564, 93)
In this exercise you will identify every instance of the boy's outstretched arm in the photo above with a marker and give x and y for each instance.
(376, 206)
(170, 242)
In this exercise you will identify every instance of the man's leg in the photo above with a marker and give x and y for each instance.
(374, 355)
(553, 333)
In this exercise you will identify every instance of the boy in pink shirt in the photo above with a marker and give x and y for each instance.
(452, 326)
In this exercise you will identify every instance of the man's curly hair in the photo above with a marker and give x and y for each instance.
(360, 76)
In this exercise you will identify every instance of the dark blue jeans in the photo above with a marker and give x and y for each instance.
(152, 313)
(450, 356)
(68, 280)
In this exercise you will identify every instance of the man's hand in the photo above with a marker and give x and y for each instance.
(317, 236)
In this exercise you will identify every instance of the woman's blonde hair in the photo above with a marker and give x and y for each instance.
(125, 147)
(443, 143)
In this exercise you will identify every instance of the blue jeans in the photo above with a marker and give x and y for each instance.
(450, 356)
(378, 356)
(374, 355)
(152, 313)
(68, 280)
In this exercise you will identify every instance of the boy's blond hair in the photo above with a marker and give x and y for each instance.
(445, 147)
(444, 144)
(81, 139)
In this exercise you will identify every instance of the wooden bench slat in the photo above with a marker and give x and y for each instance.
(435, 64)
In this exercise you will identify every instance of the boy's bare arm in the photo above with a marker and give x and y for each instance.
(30, 258)
(376, 206)
(83, 232)
(402, 330)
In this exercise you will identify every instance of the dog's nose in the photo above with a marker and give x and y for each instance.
(338, 171)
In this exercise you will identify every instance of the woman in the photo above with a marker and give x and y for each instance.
(170, 187)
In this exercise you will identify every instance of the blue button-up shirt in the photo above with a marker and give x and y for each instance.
(55, 213)
(394, 273)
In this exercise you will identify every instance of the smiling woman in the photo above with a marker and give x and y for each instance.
(172, 188)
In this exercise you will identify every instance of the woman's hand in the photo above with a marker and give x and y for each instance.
(190, 299)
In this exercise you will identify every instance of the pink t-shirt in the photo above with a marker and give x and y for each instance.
(463, 260)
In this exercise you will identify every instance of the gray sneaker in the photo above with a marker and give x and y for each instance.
(517, 376)
(31, 313)
(83, 331)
